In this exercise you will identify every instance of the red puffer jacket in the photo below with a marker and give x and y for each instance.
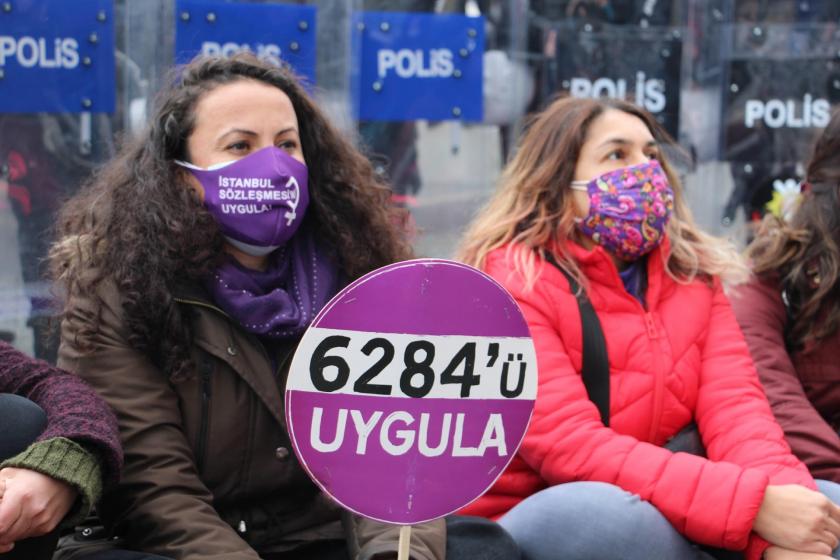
(682, 358)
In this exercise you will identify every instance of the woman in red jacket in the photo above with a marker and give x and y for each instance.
(790, 312)
(590, 190)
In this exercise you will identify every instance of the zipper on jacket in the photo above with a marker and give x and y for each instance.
(650, 323)
(659, 380)
(206, 394)
(206, 382)
(245, 473)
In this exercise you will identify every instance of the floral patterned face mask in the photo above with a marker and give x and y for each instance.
(628, 209)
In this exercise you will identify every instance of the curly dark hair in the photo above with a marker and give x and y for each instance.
(804, 254)
(136, 223)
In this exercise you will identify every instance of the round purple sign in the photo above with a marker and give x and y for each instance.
(411, 390)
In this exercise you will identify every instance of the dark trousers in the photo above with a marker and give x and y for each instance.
(475, 537)
(121, 555)
(21, 422)
(467, 538)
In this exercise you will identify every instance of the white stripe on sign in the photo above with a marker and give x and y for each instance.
(409, 365)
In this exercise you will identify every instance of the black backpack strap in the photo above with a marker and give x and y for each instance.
(596, 364)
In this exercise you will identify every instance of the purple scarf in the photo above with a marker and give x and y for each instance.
(633, 278)
(281, 301)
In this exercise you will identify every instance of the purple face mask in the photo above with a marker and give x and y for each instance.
(628, 209)
(258, 201)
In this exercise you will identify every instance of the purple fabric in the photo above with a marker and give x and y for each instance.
(259, 200)
(281, 301)
(628, 209)
(632, 277)
(411, 488)
(426, 296)
(74, 410)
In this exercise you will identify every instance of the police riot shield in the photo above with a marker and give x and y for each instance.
(781, 82)
(637, 63)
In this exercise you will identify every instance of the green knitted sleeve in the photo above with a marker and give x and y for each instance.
(67, 461)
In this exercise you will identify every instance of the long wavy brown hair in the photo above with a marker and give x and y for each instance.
(804, 254)
(532, 211)
(137, 223)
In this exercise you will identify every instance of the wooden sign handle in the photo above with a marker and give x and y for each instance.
(405, 541)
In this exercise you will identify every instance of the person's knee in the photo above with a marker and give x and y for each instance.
(576, 499)
(577, 518)
(22, 420)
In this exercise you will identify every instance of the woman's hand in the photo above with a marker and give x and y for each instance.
(798, 519)
(776, 553)
(31, 504)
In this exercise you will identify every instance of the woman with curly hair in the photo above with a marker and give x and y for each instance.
(191, 265)
(589, 226)
(790, 312)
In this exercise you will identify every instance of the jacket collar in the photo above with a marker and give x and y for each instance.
(218, 334)
(192, 291)
(600, 269)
